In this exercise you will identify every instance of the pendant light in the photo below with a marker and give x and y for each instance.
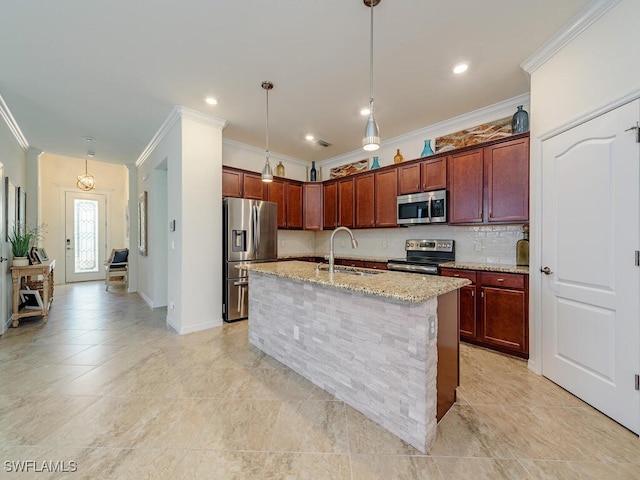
(86, 181)
(371, 140)
(267, 172)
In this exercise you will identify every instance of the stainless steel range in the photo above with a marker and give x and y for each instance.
(424, 256)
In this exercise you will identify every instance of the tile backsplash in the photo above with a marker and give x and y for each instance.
(477, 244)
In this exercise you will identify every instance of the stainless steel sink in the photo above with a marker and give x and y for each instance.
(348, 270)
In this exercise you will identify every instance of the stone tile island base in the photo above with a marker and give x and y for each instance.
(373, 353)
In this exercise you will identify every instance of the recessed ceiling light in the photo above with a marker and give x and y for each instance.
(364, 112)
(91, 153)
(460, 68)
(86, 138)
(211, 101)
(309, 137)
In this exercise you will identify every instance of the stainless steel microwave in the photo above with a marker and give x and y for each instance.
(419, 208)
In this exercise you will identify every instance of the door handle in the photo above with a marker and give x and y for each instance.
(2, 259)
(546, 271)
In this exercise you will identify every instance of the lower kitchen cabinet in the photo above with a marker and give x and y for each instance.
(494, 311)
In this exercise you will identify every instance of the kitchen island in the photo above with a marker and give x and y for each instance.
(385, 343)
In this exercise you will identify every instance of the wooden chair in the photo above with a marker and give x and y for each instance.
(117, 268)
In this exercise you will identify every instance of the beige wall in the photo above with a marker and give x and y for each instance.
(57, 175)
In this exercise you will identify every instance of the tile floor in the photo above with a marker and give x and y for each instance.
(105, 385)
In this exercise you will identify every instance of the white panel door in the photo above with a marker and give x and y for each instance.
(590, 232)
(85, 234)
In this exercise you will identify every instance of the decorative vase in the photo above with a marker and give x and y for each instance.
(426, 151)
(520, 121)
(313, 175)
(522, 247)
(375, 163)
(280, 170)
(398, 158)
(20, 261)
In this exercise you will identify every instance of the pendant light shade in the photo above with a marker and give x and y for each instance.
(371, 140)
(267, 171)
(86, 181)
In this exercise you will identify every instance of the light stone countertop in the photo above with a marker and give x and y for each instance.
(406, 287)
(486, 267)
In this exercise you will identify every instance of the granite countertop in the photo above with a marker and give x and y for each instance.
(341, 257)
(486, 267)
(406, 287)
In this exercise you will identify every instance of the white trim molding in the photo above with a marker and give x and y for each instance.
(5, 113)
(272, 155)
(177, 113)
(574, 27)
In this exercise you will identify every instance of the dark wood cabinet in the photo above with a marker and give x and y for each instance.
(434, 174)
(330, 205)
(507, 180)
(466, 192)
(409, 179)
(365, 200)
(375, 265)
(312, 206)
(253, 186)
(277, 192)
(294, 205)
(490, 184)
(345, 202)
(494, 313)
(386, 184)
(345, 262)
(232, 181)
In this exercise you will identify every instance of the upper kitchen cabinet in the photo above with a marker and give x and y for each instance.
(507, 177)
(490, 184)
(386, 184)
(294, 205)
(466, 187)
(329, 205)
(422, 176)
(345, 202)
(277, 192)
(313, 206)
(242, 184)
(364, 200)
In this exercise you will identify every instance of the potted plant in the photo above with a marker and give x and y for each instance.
(22, 239)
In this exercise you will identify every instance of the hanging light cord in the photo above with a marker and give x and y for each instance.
(267, 122)
(371, 62)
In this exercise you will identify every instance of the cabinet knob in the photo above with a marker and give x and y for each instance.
(456, 274)
(501, 279)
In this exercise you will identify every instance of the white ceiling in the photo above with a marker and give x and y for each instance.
(114, 69)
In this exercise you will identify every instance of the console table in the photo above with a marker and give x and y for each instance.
(30, 274)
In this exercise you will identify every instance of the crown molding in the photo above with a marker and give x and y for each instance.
(574, 27)
(475, 117)
(178, 112)
(5, 113)
(272, 155)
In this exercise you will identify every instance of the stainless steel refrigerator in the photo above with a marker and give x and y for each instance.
(250, 229)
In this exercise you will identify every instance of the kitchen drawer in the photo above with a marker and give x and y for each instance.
(349, 263)
(375, 265)
(453, 272)
(507, 280)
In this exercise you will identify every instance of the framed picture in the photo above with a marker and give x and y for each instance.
(34, 258)
(31, 299)
(142, 224)
(349, 168)
(10, 206)
(21, 204)
(42, 254)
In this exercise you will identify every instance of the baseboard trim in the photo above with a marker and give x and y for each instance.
(192, 328)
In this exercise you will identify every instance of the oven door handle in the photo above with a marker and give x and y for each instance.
(413, 268)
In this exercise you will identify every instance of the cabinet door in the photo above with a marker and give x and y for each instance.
(231, 183)
(386, 210)
(408, 179)
(365, 200)
(294, 205)
(468, 312)
(466, 187)
(504, 318)
(345, 203)
(277, 193)
(312, 206)
(253, 186)
(507, 176)
(329, 205)
(434, 174)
